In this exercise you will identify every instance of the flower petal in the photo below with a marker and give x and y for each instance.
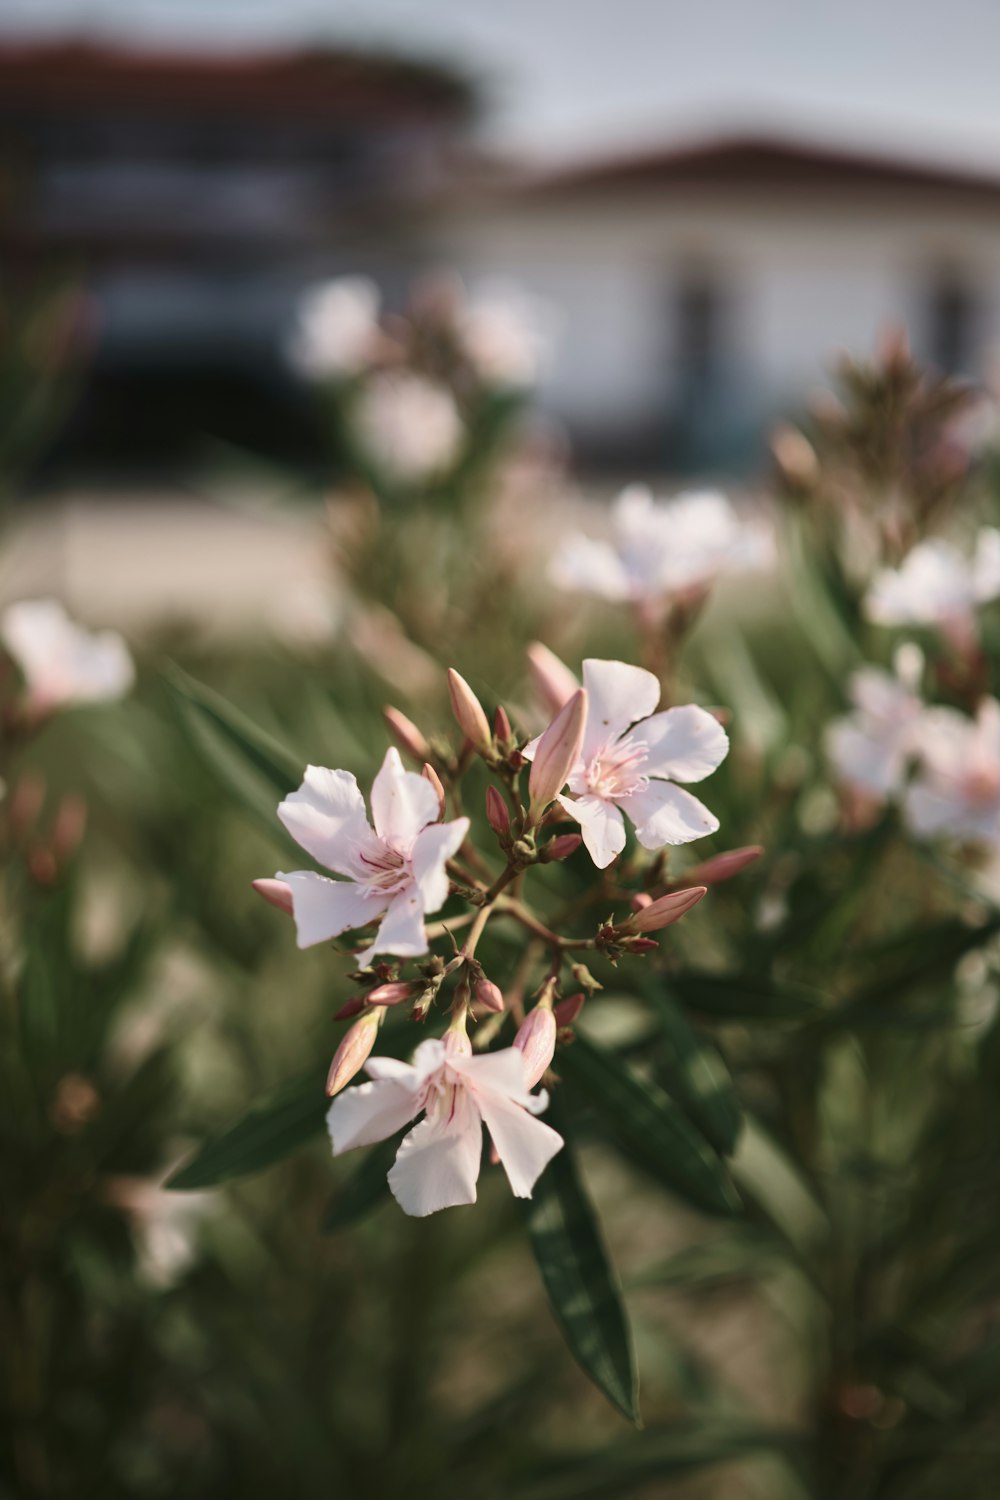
(593, 567)
(524, 1145)
(323, 908)
(370, 1112)
(437, 1165)
(665, 814)
(986, 565)
(685, 744)
(434, 846)
(401, 930)
(327, 817)
(601, 824)
(403, 802)
(618, 694)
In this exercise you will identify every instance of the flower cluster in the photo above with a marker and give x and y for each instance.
(606, 755)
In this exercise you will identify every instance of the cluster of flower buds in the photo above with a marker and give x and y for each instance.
(46, 850)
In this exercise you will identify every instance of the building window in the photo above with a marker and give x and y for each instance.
(951, 322)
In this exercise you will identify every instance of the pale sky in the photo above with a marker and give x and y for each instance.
(568, 77)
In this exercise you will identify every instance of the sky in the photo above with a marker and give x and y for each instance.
(569, 78)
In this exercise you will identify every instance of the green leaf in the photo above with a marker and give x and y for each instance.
(253, 765)
(692, 1070)
(273, 1129)
(581, 1282)
(649, 1126)
(746, 997)
(365, 1189)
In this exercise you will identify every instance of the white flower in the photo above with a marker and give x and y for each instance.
(504, 334)
(957, 790)
(662, 550)
(437, 1165)
(165, 1225)
(872, 747)
(409, 425)
(633, 770)
(336, 328)
(396, 872)
(937, 586)
(61, 662)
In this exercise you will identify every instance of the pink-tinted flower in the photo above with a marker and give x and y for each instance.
(554, 682)
(871, 749)
(336, 329)
(409, 425)
(624, 770)
(956, 792)
(663, 550)
(437, 1165)
(396, 871)
(505, 334)
(936, 585)
(61, 662)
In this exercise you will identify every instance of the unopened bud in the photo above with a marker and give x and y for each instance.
(585, 979)
(724, 866)
(430, 775)
(393, 993)
(25, 804)
(276, 893)
(502, 726)
(497, 814)
(553, 680)
(468, 711)
(561, 847)
(536, 1040)
(488, 995)
(664, 910)
(350, 1008)
(795, 458)
(556, 753)
(68, 828)
(567, 1010)
(406, 734)
(353, 1052)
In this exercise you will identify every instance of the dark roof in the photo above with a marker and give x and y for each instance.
(69, 77)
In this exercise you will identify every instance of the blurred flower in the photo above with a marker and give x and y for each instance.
(936, 585)
(669, 550)
(409, 425)
(554, 682)
(871, 748)
(437, 1165)
(505, 335)
(164, 1225)
(957, 790)
(396, 872)
(61, 662)
(336, 328)
(633, 770)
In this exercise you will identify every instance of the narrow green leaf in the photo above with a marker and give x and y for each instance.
(693, 1072)
(365, 1189)
(746, 997)
(581, 1282)
(649, 1126)
(273, 1129)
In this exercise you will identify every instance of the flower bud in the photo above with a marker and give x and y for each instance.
(640, 901)
(795, 458)
(561, 847)
(406, 734)
(567, 1010)
(350, 1008)
(502, 726)
(585, 979)
(536, 1039)
(556, 753)
(393, 993)
(488, 994)
(430, 775)
(68, 828)
(352, 1054)
(496, 812)
(666, 909)
(25, 804)
(725, 866)
(553, 680)
(276, 892)
(469, 715)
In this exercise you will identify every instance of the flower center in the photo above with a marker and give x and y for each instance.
(389, 870)
(614, 770)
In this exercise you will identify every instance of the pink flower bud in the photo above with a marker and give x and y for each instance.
(430, 775)
(352, 1054)
(488, 994)
(725, 866)
(468, 711)
(536, 1039)
(68, 828)
(350, 1008)
(553, 680)
(496, 812)
(502, 726)
(276, 892)
(556, 753)
(666, 909)
(25, 804)
(561, 847)
(393, 993)
(567, 1010)
(640, 901)
(406, 734)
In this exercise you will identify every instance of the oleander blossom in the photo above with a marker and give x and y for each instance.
(956, 792)
(936, 585)
(61, 662)
(871, 749)
(336, 329)
(663, 551)
(395, 871)
(629, 768)
(409, 425)
(437, 1165)
(505, 334)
